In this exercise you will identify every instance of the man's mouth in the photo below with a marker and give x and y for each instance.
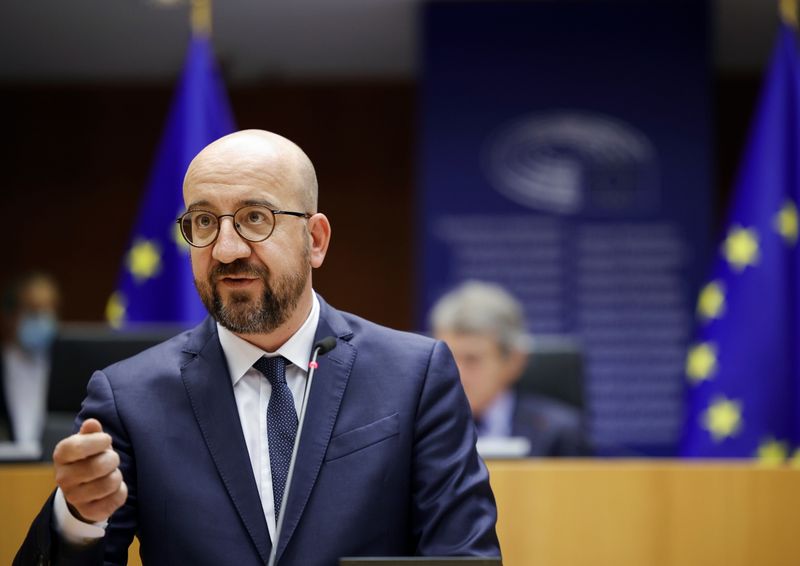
(237, 281)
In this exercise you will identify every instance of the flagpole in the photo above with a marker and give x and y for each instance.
(201, 17)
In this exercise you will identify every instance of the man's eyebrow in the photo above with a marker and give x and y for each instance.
(248, 202)
(257, 202)
(197, 204)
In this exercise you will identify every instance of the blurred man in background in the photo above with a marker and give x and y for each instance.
(30, 306)
(484, 327)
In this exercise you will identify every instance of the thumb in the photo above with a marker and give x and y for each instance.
(90, 426)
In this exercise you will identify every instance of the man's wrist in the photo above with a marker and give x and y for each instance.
(71, 526)
(75, 513)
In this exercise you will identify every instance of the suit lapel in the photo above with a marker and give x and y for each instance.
(325, 398)
(208, 385)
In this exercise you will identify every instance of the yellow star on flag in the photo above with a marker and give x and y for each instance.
(115, 309)
(788, 10)
(723, 418)
(144, 259)
(741, 248)
(786, 222)
(772, 453)
(711, 303)
(701, 362)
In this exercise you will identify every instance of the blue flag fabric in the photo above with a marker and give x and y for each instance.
(744, 368)
(156, 283)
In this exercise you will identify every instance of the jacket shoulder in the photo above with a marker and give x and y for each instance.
(167, 356)
(373, 335)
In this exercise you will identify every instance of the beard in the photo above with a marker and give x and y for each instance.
(243, 313)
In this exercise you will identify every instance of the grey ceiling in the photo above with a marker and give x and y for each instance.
(91, 40)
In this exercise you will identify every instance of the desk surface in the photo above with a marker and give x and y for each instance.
(593, 512)
(653, 513)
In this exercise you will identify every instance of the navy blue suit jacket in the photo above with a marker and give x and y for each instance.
(386, 463)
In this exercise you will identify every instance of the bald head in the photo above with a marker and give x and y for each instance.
(257, 154)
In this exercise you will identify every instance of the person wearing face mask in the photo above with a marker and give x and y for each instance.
(30, 305)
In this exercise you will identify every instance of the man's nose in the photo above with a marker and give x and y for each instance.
(230, 245)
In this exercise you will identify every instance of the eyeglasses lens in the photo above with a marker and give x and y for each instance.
(254, 223)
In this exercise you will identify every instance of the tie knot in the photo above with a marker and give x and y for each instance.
(274, 368)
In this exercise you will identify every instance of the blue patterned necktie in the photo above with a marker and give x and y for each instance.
(281, 424)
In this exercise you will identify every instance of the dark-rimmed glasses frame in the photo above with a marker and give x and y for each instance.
(219, 218)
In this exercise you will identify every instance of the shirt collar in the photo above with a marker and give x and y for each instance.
(240, 354)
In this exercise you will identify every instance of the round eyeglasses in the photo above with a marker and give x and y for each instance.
(254, 223)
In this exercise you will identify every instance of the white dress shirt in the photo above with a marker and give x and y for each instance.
(497, 417)
(252, 392)
(25, 386)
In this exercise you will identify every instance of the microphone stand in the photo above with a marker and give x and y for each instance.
(320, 348)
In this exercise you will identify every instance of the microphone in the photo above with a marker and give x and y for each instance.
(325, 345)
(321, 348)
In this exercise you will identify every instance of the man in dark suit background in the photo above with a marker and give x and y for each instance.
(188, 445)
(484, 327)
(29, 321)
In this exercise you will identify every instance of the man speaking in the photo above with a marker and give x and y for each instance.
(190, 446)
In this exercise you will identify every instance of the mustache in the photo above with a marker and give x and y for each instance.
(238, 268)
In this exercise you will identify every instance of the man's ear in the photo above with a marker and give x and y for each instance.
(319, 234)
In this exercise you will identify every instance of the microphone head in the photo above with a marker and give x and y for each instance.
(325, 345)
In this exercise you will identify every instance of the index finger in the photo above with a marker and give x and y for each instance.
(80, 446)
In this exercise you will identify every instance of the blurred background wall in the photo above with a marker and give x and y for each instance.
(85, 89)
(77, 158)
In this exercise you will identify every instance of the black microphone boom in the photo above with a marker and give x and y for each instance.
(325, 345)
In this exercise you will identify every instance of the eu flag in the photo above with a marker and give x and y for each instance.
(744, 368)
(156, 283)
